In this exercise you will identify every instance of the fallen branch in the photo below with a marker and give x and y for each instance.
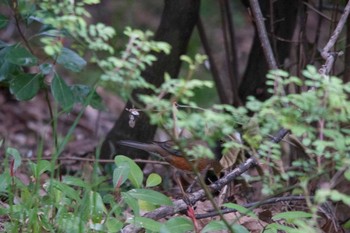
(254, 205)
(180, 205)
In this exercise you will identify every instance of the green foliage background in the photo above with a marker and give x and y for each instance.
(61, 42)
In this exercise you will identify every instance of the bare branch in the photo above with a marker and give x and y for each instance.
(180, 205)
(220, 84)
(265, 43)
(76, 158)
(326, 51)
(255, 204)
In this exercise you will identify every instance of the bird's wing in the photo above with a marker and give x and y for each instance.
(169, 147)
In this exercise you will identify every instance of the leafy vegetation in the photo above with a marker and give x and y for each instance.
(66, 43)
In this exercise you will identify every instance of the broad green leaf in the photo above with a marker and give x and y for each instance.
(20, 56)
(97, 207)
(147, 223)
(275, 228)
(153, 180)
(62, 93)
(68, 191)
(6, 68)
(45, 68)
(5, 180)
(131, 202)
(177, 225)
(292, 215)
(120, 174)
(71, 223)
(40, 167)
(135, 174)
(213, 226)
(71, 60)
(81, 94)
(337, 196)
(151, 196)
(241, 209)
(75, 181)
(26, 86)
(146, 206)
(16, 156)
(114, 225)
(347, 174)
(237, 228)
(96, 226)
(90, 2)
(3, 21)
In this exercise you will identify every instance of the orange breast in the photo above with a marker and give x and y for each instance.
(183, 164)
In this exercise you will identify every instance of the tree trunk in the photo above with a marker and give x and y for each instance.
(283, 15)
(177, 23)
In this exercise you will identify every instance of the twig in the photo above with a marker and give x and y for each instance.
(260, 26)
(230, 50)
(16, 16)
(96, 160)
(221, 90)
(280, 135)
(254, 205)
(265, 42)
(317, 11)
(325, 53)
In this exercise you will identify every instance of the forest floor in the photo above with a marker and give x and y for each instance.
(25, 125)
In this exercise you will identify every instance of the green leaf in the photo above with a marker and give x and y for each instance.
(71, 60)
(151, 196)
(114, 225)
(347, 174)
(135, 175)
(5, 180)
(147, 223)
(146, 206)
(45, 68)
(20, 56)
(214, 226)
(241, 209)
(26, 86)
(6, 69)
(72, 223)
(120, 174)
(81, 94)
(62, 93)
(291, 215)
(3, 21)
(68, 191)
(177, 225)
(239, 229)
(16, 156)
(275, 228)
(131, 202)
(97, 207)
(75, 181)
(153, 180)
(40, 167)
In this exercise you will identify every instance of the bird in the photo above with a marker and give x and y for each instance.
(168, 150)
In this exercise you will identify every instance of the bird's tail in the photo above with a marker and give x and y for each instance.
(138, 145)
